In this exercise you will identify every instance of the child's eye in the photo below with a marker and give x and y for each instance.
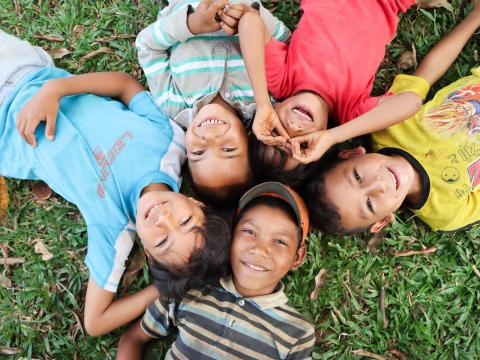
(281, 242)
(186, 221)
(162, 242)
(248, 231)
(198, 152)
(370, 206)
(357, 176)
(228, 149)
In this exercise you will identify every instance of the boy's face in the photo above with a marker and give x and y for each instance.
(217, 148)
(302, 113)
(263, 250)
(368, 188)
(167, 224)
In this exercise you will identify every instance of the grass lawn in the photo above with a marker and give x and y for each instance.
(431, 300)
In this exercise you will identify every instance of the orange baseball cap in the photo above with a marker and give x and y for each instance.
(284, 192)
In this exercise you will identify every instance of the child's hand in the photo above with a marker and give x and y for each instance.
(204, 18)
(310, 147)
(43, 106)
(230, 16)
(268, 128)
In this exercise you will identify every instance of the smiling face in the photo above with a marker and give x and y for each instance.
(303, 113)
(368, 188)
(167, 224)
(263, 250)
(217, 148)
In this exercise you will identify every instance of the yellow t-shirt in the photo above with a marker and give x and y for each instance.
(442, 142)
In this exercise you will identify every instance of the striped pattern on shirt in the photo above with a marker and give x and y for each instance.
(184, 71)
(218, 323)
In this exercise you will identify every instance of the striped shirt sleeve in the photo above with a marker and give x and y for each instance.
(157, 321)
(153, 44)
(276, 28)
(303, 348)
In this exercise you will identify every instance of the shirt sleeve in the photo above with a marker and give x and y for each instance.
(276, 27)
(276, 67)
(153, 44)
(404, 83)
(158, 320)
(304, 347)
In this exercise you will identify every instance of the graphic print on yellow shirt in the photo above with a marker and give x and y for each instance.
(444, 138)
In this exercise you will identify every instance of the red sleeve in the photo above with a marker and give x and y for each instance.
(361, 107)
(276, 67)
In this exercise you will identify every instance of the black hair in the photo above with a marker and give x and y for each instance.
(324, 215)
(226, 196)
(206, 265)
(275, 203)
(268, 163)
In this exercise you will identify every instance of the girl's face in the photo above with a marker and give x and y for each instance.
(167, 224)
(264, 249)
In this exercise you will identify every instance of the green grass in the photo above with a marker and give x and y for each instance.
(431, 300)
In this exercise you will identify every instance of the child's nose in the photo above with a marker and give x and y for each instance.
(260, 248)
(376, 185)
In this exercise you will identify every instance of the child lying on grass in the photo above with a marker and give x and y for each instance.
(429, 163)
(120, 164)
(197, 76)
(247, 315)
(327, 69)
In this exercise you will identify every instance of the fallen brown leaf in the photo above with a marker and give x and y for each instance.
(102, 50)
(3, 197)
(9, 351)
(136, 264)
(398, 354)
(408, 59)
(41, 191)
(382, 308)
(12, 260)
(114, 37)
(77, 31)
(5, 281)
(475, 270)
(58, 39)
(319, 280)
(372, 243)
(430, 4)
(40, 248)
(361, 352)
(58, 53)
(416, 252)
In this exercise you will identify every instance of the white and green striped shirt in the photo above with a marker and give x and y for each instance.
(185, 72)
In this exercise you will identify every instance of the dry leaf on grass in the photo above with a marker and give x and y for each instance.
(430, 4)
(475, 270)
(400, 355)
(41, 191)
(102, 50)
(408, 59)
(40, 248)
(58, 39)
(77, 31)
(416, 252)
(18, 9)
(5, 281)
(9, 350)
(382, 308)
(319, 280)
(136, 264)
(115, 37)
(369, 354)
(374, 240)
(58, 53)
(12, 260)
(3, 197)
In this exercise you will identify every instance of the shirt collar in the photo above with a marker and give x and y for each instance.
(264, 302)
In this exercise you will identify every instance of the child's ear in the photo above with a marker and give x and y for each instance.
(298, 260)
(352, 153)
(380, 224)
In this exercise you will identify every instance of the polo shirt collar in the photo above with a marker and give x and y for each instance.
(264, 302)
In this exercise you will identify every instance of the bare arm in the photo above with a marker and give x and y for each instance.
(442, 56)
(132, 343)
(104, 314)
(44, 105)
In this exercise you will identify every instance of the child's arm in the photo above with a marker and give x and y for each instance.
(103, 313)
(442, 56)
(394, 109)
(132, 343)
(44, 105)
(253, 37)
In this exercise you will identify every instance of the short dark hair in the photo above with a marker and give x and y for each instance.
(268, 163)
(225, 196)
(324, 215)
(206, 265)
(275, 203)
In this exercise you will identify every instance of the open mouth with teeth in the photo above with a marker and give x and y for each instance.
(152, 209)
(211, 122)
(394, 178)
(303, 112)
(254, 268)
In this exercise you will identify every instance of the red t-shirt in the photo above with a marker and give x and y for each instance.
(335, 51)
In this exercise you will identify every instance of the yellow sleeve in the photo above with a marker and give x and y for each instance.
(416, 84)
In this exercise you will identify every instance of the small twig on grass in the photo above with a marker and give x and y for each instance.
(361, 352)
(18, 9)
(102, 50)
(9, 350)
(4, 249)
(475, 270)
(415, 252)
(114, 37)
(398, 354)
(319, 280)
(12, 261)
(382, 308)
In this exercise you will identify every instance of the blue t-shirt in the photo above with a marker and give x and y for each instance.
(103, 155)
